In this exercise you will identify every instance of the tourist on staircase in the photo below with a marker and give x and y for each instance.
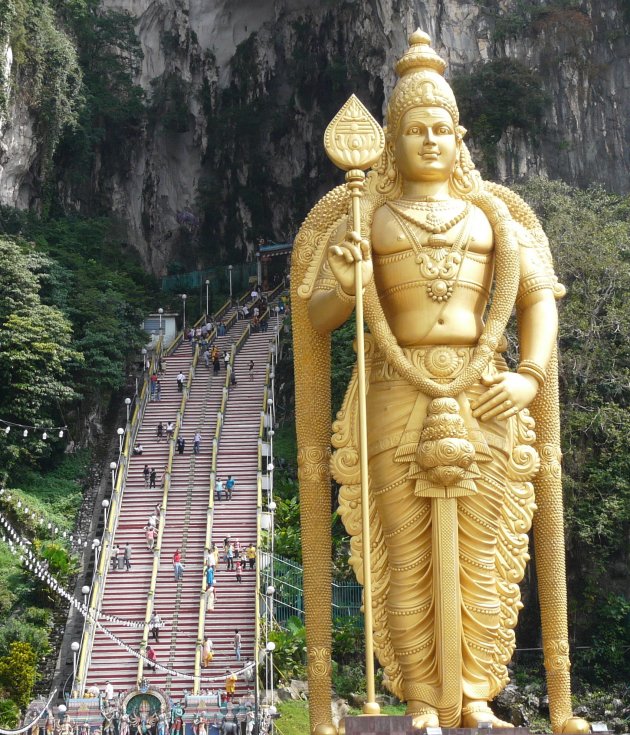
(114, 556)
(127, 557)
(155, 623)
(251, 555)
(230, 684)
(178, 569)
(218, 488)
(207, 652)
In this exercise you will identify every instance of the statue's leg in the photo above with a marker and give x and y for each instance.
(478, 528)
(406, 522)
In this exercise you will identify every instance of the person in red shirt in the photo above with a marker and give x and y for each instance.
(152, 658)
(178, 569)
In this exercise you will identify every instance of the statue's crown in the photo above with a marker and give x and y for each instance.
(420, 55)
(421, 83)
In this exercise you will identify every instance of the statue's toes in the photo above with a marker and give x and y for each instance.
(576, 726)
(424, 718)
(475, 714)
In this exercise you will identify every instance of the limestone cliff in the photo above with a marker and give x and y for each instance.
(239, 93)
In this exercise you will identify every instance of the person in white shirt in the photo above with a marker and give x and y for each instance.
(218, 489)
(109, 691)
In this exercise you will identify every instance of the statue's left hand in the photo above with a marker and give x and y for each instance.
(507, 394)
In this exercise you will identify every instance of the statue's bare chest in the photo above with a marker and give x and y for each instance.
(433, 248)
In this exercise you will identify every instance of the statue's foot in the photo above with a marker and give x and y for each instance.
(576, 726)
(423, 715)
(474, 713)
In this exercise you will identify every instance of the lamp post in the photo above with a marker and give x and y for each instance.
(75, 650)
(96, 545)
(184, 297)
(105, 507)
(271, 416)
(113, 466)
(144, 359)
(272, 377)
(207, 300)
(121, 433)
(85, 591)
(128, 406)
(230, 267)
(160, 312)
(271, 647)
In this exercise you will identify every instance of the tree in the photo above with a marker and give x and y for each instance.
(35, 357)
(589, 234)
(18, 673)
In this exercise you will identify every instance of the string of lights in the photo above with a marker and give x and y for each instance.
(41, 520)
(46, 431)
(37, 718)
(15, 543)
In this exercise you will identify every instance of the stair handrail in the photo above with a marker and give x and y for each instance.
(181, 335)
(276, 290)
(166, 481)
(225, 307)
(210, 512)
(243, 297)
(259, 512)
(100, 573)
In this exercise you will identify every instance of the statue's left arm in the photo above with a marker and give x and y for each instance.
(510, 392)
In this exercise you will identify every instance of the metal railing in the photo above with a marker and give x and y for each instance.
(210, 512)
(166, 481)
(289, 590)
(100, 572)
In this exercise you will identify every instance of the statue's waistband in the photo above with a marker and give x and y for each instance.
(443, 363)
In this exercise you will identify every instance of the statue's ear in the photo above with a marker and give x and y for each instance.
(460, 132)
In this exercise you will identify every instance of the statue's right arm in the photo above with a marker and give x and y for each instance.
(333, 296)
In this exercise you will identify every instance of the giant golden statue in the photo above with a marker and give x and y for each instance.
(462, 450)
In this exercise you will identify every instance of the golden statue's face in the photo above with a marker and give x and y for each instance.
(425, 146)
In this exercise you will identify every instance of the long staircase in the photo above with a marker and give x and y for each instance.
(238, 456)
(128, 594)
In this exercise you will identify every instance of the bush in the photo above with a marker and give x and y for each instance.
(349, 680)
(9, 713)
(18, 673)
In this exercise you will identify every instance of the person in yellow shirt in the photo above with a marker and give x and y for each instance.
(230, 684)
(251, 555)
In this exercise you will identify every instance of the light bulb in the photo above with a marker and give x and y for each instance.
(61, 434)
(25, 432)
(7, 429)
(44, 436)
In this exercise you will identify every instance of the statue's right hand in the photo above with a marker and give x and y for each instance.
(343, 257)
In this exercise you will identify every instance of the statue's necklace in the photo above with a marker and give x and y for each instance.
(439, 263)
(430, 223)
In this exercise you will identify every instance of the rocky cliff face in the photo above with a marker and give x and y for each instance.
(240, 93)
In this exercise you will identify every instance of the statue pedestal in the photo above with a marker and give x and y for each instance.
(402, 725)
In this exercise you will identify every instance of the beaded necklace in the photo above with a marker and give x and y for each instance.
(430, 223)
(439, 263)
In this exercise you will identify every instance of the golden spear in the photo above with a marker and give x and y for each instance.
(354, 141)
